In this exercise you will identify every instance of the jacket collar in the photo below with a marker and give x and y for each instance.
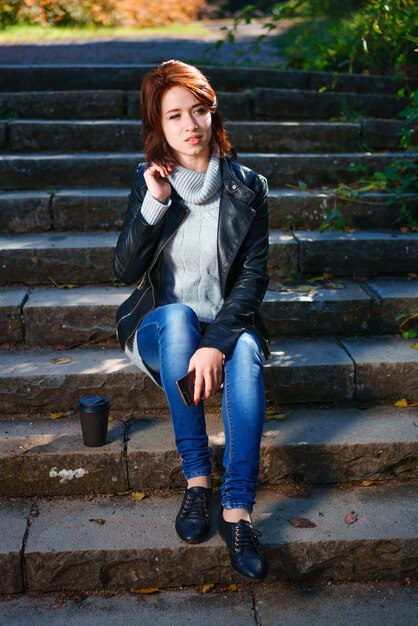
(233, 184)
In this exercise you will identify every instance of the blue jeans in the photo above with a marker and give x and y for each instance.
(167, 339)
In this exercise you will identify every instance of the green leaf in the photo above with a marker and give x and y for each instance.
(302, 185)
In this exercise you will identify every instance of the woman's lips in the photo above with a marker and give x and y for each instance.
(193, 140)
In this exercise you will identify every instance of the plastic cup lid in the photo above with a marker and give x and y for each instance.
(93, 404)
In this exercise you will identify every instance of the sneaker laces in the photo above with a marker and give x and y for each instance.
(246, 536)
(196, 505)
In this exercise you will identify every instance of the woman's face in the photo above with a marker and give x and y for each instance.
(187, 126)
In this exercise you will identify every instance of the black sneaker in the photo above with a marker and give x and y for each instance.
(244, 547)
(193, 518)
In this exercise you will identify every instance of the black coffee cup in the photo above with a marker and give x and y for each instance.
(94, 417)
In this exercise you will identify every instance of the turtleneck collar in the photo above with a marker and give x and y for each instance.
(198, 187)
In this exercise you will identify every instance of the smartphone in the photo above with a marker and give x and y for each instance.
(185, 386)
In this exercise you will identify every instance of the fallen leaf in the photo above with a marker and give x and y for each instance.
(138, 495)
(276, 417)
(61, 361)
(367, 483)
(304, 288)
(207, 587)
(301, 522)
(401, 403)
(58, 415)
(336, 285)
(412, 275)
(350, 518)
(111, 418)
(415, 346)
(100, 522)
(232, 587)
(63, 286)
(145, 590)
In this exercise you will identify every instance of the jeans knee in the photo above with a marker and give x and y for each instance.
(248, 346)
(179, 316)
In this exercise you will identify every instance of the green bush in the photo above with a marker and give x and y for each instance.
(350, 36)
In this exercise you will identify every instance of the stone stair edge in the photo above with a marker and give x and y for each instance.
(60, 538)
(46, 456)
(311, 77)
(354, 370)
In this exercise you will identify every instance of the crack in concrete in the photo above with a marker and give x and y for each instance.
(257, 618)
(51, 212)
(355, 368)
(34, 512)
(125, 450)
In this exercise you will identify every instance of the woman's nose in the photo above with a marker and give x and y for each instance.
(191, 121)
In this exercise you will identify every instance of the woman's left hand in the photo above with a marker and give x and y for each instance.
(208, 366)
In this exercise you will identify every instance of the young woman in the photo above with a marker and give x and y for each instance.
(196, 238)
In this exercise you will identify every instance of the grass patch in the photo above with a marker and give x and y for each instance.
(21, 33)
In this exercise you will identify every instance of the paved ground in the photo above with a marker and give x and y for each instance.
(359, 604)
(145, 49)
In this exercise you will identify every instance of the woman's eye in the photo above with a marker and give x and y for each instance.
(200, 110)
(173, 117)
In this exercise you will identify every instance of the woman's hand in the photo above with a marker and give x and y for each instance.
(156, 179)
(208, 366)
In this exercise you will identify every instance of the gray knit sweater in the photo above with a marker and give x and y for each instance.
(190, 257)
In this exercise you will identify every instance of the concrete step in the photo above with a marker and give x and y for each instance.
(137, 546)
(289, 104)
(125, 136)
(275, 104)
(101, 105)
(342, 604)
(104, 209)
(118, 76)
(79, 258)
(307, 370)
(40, 457)
(41, 171)
(49, 316)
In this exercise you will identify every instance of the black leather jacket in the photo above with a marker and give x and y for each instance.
(243, 247)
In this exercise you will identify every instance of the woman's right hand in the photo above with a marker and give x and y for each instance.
(156, 179)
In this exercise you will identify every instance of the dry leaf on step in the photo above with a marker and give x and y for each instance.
(350, 518)
(61, 361)
(301, 522)
(138, 495)
(367, 483)
(145, 590)
(207, 587)
(277, 417)
(98, 521)
(58, 415)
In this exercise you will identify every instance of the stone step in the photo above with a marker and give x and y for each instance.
(389, 602)
(274, 104)
(307, 370)
(101, 105)
(118, 76)
(125, 136)
(79, 258)
(104, 209)
(41, 171)
(50, 316)
(289, 104)
(40, 457)
(137, 546)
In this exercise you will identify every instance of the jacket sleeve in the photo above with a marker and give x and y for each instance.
(138, 240)
(251, 280)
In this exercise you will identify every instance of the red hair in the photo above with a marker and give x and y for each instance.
(154, 85)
